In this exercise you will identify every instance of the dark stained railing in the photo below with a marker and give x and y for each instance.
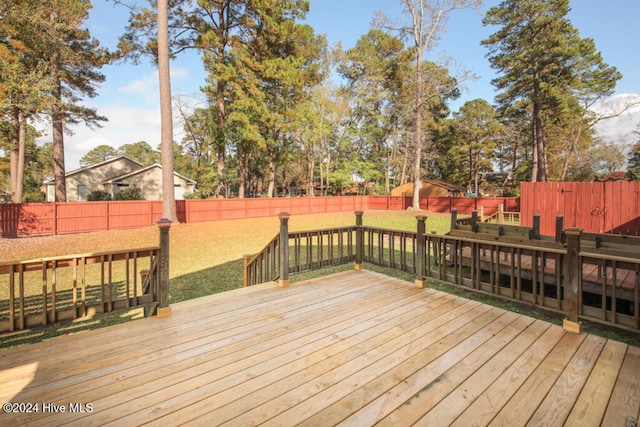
(50, 290)
(585, 276)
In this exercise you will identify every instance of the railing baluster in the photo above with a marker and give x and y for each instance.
(12, 302)
(110, 287)
(23, 315)
(84, 286)
(44, 292)
(135, 278)
(127, 284)
(74, 289)
(614, 302)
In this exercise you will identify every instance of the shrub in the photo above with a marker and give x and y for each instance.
(130, 193)
(34, 197)
(98, 196)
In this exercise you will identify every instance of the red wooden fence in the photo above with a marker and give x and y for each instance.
(76, 217)
(596, 207)
(464, 205)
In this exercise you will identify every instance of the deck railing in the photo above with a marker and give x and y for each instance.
(306, 250)
(49, 290)
(585, 276)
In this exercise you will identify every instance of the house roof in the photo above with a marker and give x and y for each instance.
(51, 180)
(436, 183)
(142, 170)
(446, 185)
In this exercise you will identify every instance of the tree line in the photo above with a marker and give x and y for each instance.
(277, 121)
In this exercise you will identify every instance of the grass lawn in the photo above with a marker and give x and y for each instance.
(205, 257)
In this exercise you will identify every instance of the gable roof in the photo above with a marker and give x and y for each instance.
(93, 166)
(446, 185)
(142, 170)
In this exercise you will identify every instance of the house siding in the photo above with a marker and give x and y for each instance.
(92, 178)
(150, 184)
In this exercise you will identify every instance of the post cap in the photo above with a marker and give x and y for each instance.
(284, 215)
(573, 231)
(164, 223)
(421, 217)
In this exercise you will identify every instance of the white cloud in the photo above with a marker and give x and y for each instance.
(620, 129)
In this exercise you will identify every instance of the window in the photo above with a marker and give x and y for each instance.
(82, 192)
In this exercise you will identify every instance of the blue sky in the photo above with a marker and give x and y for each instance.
(129, 97)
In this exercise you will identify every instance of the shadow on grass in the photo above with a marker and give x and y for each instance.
(229, 276)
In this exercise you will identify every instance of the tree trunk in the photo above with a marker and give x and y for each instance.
(540, 161)
(405, 163)
(242, 170)
(272, 174)
(418, 136)
(14, 156)
(22, 143)
(57, 121)
(312, 166)
(166, 130)
(221, 190)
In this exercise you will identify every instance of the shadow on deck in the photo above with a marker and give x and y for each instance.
(355, 348)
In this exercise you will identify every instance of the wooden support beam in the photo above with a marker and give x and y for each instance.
(359, 240)
(284, 281)
(572, 274)
(164, 310)
(420, 252)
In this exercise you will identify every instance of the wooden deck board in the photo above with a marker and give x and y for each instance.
(355, 348)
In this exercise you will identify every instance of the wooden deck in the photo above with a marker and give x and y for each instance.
(355, 348)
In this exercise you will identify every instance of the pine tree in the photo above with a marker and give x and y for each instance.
(543, 62)
(633, 165)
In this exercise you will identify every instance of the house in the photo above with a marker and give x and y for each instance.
(430, 188)
(115, 174)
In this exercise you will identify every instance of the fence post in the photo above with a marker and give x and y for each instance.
(164, 310)
(454, 219)
(420, 267)
(559, 227)
(284, 281)
(572, 274)
(359, 241)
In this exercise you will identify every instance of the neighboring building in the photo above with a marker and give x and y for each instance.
(115, 174)
(430, 188)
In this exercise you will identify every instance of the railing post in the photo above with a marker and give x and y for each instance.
(454, 219)
(284, 281)
(245, 270)
(481, 213)
(359, 240)
(500, 213)
(535, 230)
(559, 228)
(572, 275)
(420, 267)
(164, 310)
(474, 221)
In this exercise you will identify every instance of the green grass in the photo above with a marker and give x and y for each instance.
(206, 258)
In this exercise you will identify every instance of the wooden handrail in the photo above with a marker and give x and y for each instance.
(483, 256)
